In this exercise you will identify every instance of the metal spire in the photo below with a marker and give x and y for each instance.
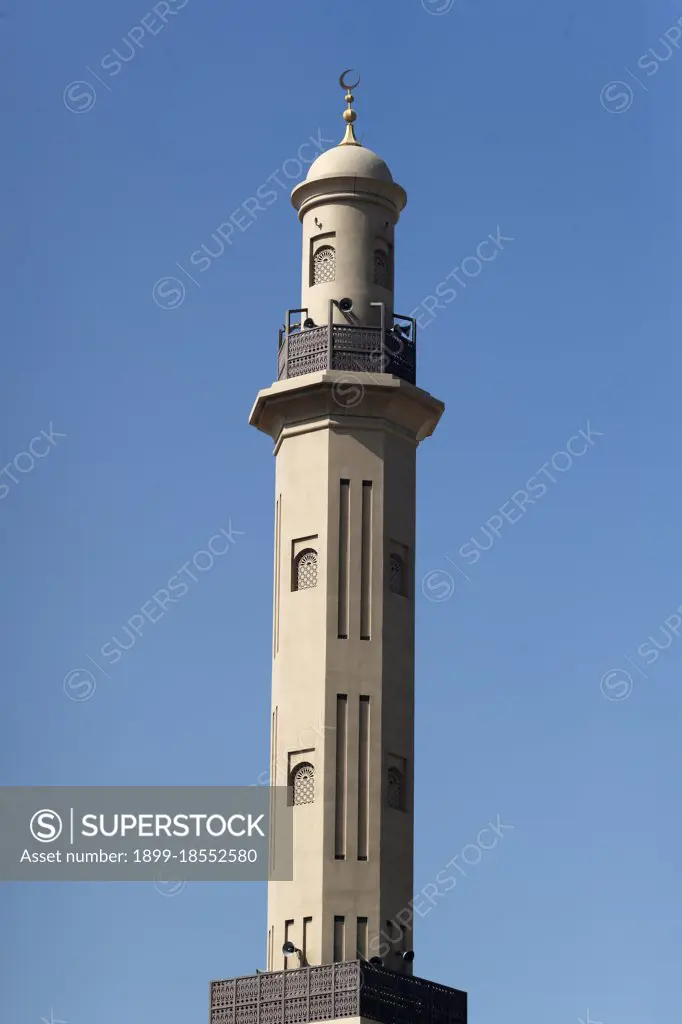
(349, 114)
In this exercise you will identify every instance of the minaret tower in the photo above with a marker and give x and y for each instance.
(346, 418)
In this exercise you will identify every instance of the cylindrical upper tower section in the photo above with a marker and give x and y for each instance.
(348, 206)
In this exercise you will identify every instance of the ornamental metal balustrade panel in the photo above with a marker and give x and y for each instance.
(358, 349)
(400, 999)
(354, 988)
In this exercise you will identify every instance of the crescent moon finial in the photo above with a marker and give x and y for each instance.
(348, 85)
(349, 114)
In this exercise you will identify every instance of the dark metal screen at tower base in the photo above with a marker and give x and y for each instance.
(402, 999)
(352, 989)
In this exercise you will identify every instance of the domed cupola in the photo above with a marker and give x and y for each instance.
(348, 206)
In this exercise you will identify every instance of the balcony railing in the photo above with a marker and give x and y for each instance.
(348, 347)
(355, 988)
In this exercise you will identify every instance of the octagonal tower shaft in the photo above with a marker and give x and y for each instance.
(343, 661)
(342, 727)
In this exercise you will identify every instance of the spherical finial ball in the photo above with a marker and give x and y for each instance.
(349, 116)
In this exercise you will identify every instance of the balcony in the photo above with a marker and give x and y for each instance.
(355, 988)
(355, 349)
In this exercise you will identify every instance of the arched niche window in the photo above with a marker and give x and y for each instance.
(381, 274)
(396, 574)
(395, 793)
(303, 783)
(305, 569)
(324, 265)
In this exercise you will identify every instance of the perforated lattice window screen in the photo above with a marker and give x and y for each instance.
(303, 781)
(306, 569)
(395, 793)
(396, 575)
(324, 264)
(381, 268)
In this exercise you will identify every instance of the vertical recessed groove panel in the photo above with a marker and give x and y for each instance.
(307, 925)
(273, 756)
(273, 782)
(344, 555)
(361, 939)
(272, 749)
(341, 775)
(278, 558)
(288, 934)
(366, 563)
(339, 939)
(363, 779)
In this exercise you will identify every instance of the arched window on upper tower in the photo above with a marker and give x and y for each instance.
(303, 783)
(324, 265)
(381, 269)
(395, 794)
(396, 574)
(305, 569)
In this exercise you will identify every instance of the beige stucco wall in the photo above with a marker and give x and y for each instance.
(355, 228)
(361, 429)
(318, 445)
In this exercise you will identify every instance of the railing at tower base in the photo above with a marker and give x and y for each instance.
(355, 988)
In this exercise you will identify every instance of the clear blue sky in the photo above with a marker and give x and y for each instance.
(490, 116)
